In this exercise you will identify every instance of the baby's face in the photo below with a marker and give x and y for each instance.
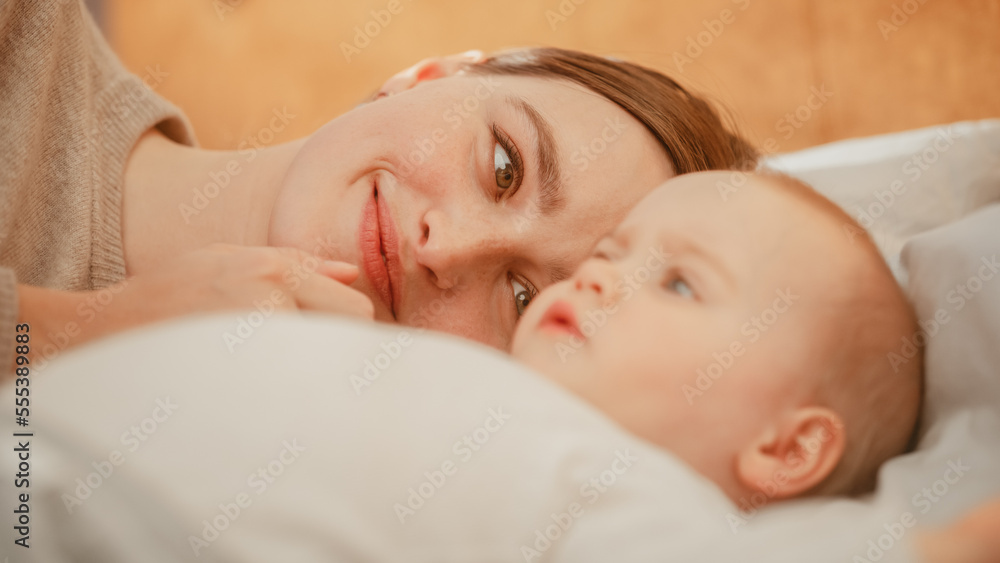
(692, 321)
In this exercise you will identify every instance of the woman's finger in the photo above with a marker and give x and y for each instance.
(320, 293)
(343, 272)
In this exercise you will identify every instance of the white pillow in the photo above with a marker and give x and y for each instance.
(955, 284)
(902, 184)
(364, 467)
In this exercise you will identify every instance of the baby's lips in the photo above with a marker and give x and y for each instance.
(562, 316)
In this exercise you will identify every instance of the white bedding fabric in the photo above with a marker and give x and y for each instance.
(291, 383)
(902, 184)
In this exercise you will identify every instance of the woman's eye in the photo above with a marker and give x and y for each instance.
(508, 167)
(522, 296)
(503, 167)
(680, 287)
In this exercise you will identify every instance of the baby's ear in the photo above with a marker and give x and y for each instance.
(429, 69)
(794, 454)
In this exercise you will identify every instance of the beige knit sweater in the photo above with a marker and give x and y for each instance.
(69, 116)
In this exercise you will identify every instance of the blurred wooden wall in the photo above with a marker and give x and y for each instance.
(230, 63)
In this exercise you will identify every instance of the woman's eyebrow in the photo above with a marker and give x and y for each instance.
(558, 270)
(550, 197)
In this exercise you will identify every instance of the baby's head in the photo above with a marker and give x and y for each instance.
(747, 329)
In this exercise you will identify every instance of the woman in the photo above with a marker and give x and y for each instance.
(466, 186)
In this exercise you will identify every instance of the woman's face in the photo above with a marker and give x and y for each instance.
(478, 190)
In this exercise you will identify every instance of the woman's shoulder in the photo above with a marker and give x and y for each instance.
(70, 114)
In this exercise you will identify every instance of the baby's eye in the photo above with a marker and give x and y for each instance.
(522, 296)
(680, 287)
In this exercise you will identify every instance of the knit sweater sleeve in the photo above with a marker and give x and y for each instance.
(8, 316)
(70, 115)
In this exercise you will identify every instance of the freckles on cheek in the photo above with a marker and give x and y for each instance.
(433, 158)
(459, 317)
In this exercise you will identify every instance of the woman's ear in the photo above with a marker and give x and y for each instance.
(794, 454)
(429, 69)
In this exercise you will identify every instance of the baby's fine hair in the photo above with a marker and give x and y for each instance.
(868, 382)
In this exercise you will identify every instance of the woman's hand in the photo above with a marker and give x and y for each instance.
(974, 539)
(215, 278)
(223, 276)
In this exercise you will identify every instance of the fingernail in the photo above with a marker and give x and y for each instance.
(339, 265)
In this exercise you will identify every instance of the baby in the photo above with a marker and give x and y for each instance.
(750, 328)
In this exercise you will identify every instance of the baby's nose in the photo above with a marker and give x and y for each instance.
(597, 276)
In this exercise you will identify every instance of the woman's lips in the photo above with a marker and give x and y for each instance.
(561, 318)
(380, 251)
(390, 249)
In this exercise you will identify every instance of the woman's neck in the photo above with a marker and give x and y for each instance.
(177, 199)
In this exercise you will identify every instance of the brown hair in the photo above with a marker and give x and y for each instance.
(687, 127)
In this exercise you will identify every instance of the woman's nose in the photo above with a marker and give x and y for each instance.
(453, 246)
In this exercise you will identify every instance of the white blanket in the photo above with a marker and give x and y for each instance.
(449, 453)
